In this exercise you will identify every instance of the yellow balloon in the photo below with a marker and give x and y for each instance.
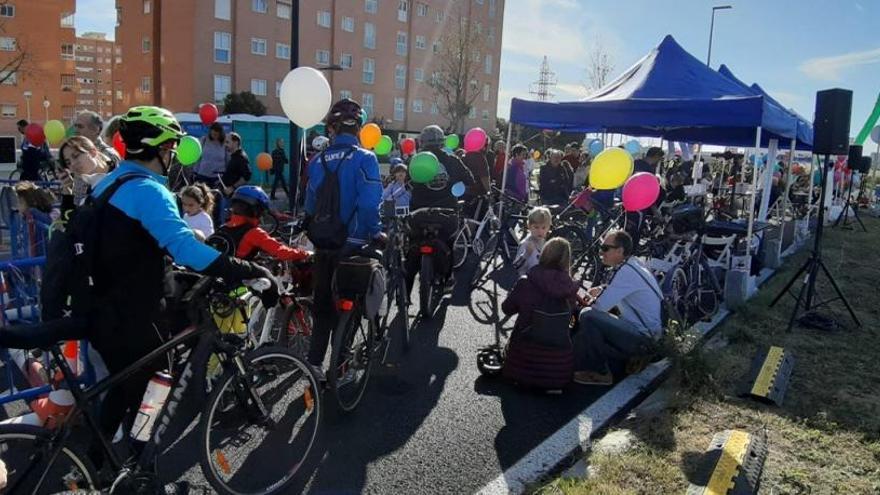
(536, 154)
(54, 131)
(610, 169)
(370, 135)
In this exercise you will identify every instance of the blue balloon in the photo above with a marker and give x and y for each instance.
(633, 147)
(596, 147)
(458, 189)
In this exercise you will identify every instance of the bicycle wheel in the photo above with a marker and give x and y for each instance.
(575, 236)
(25, 453)
(15, 174)
(269, 222)
(460, 246)
(295, 329)
(403, 308)
(709, 291)
(426, 288)
(259, 426)
(351, 359)
(675, 287)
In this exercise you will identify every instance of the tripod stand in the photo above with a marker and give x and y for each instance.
(846, 209)
(807, 294)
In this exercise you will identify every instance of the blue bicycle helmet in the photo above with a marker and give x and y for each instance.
(252, 195)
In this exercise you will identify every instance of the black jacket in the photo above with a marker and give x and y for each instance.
(239, 167)
(554, 183)
(438, 192)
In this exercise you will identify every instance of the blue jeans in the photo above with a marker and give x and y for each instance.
(602, 336)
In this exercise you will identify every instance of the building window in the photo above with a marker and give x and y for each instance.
(282, 50)
(440, 16)
(367, 103)
(401, 43)
(369, 71)
(258, 87)
(348, 24)
(371, 6)
(283, 10)
(324, 19)
(485, 115)
(400, 76)
(402, 7)
(68, 20)
(260, 6)
(480, 2)
(67, 51)
(7, 44)
(419, 75)
(322, 57)
(345, 60)
(146, 84)
(488, 64)
(118, 60)
(8, 111)
(118, 94)
(475, 56)
(222, 47)
(491, 36)
(473, 113)
(9, 77)
(7, 10)
(421, 42)
(369, 35)
(434, 109)
(417, 105)
(344, 94)
(478, 27)
(421, 9)
(148, 6)
(491, 8)
(437, 47)
(399, 108)
(67, 81)
(487, 92)
(223, 9)
(258, 46)
(145, 46)
(435, 78)
(277, 89)
(222, 87)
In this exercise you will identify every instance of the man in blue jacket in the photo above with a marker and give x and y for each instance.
(360, 195)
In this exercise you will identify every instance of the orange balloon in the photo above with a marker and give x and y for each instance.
(370, 136)
(264, 162)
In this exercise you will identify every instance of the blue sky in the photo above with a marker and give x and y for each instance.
(792, 48)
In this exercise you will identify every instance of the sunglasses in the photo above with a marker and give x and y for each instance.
(607, 247)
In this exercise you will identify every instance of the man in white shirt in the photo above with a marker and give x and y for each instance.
(633, 290)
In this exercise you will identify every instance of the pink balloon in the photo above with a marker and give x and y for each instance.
(474, 140)
(640, 191)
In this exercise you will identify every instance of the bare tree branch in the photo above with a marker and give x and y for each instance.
(19, 62)
(600, 65)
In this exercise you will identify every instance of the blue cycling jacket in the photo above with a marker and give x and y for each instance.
(360, 186)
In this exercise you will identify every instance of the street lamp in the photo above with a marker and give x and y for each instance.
(712, 30)
(27, 102)
(46, 107)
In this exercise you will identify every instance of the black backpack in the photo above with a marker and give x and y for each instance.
(68, 280)
(226, 239)
(326, 229)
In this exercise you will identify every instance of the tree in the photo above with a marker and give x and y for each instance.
(244, 102)
(16, 63)
(600, 65)
(458, 62)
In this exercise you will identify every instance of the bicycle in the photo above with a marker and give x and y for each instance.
(491, 240)
(239, 414)
(393, 260)
(430, 228)
(691, 284)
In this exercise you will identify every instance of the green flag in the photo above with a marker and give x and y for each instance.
(869, 124)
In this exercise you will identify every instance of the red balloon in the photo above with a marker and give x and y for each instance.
(408, 146)
(35, 135)
(119, 144)
(208, 113)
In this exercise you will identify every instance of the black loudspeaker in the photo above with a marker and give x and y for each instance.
(865, 165)
(854, 160)
(7, 150)
(831, 124)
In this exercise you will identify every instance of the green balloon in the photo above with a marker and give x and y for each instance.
(384, 147)
(71, 131)
(54, 131)
(452, 141)
(423, 167)
(189, 151)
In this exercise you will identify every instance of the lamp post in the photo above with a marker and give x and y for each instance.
(27, 103)
(712, 30)
(46, 107)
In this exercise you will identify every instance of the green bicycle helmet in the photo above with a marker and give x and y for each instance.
(150, 127)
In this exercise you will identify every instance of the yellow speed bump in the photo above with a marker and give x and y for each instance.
(732, 464)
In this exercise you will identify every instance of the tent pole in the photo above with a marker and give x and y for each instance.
(753, 192)
(767, 180)
(810, 192)
(504, 171)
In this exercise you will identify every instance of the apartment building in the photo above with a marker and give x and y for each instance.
(94, 83)
(383, 53)
(41, 36)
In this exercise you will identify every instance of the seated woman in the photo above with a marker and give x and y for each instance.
(637, 297)
(539, 353)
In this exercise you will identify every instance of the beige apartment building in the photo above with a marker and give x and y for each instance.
(40, 34)
(95, 57)
(180, 53)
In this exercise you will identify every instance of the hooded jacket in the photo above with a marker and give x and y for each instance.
(540, 288)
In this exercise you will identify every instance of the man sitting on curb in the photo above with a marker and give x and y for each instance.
(637, 297)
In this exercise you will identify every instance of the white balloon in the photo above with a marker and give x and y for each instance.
(305, 96)
(875, 134)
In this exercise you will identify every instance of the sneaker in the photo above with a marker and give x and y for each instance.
(593, 378)
(449, 285)
(319, 374)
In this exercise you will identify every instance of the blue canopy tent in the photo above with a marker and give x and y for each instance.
(805, 127)
(668, 94)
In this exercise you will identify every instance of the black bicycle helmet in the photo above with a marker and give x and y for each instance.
(345, 112)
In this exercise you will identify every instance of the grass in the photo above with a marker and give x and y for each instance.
(826, 436)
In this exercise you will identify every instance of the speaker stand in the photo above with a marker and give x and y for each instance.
(805, 300)
(847, 207)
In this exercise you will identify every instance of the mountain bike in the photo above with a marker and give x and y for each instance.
(492, 240)
(691, 284)
(255, 431)
(393, 260)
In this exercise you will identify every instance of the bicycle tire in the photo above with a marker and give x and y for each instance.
(15, 174)
(403, 310)
(230, 408)
(575, 237)
(460, 248)
(426, 288)
(295, 332)
(269, 222)
(349, 356)
(77, 473)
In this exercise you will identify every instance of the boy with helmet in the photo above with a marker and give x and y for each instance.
(360, 195)
(140, 225)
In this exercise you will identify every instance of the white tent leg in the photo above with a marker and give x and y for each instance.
(753, 191)
(504, 172)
